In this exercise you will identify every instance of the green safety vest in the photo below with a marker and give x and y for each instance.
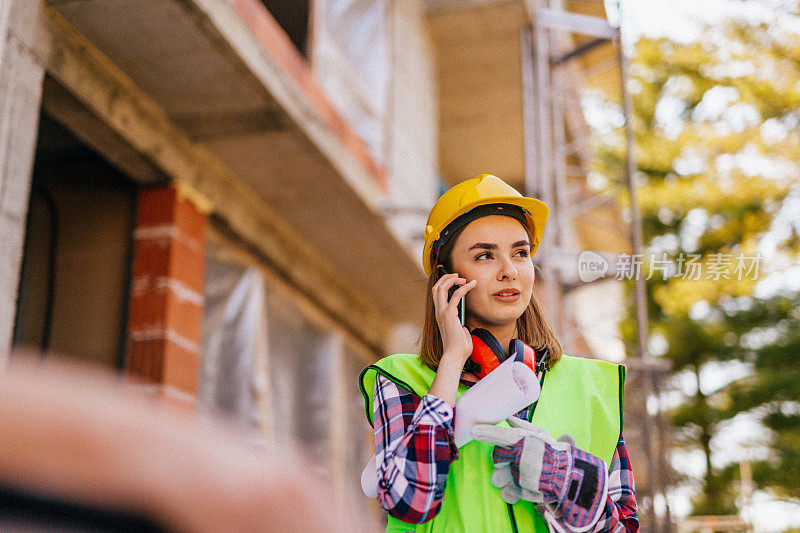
(582, 397)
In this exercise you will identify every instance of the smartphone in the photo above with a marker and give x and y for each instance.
(454, 288)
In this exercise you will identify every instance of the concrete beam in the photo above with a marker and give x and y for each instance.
(116, 101)
(21, 75)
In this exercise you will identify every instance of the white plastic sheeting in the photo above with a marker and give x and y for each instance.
(234, 372)
(351, 62)
(266, 364)
(302, 377)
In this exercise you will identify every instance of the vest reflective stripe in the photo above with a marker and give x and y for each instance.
(582, 397)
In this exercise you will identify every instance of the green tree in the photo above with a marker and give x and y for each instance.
(718, 157)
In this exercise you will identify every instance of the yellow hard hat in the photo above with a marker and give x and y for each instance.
(467, 195)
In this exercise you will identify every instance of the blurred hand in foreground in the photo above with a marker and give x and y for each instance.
(78, 434)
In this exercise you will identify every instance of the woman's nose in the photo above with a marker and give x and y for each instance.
(507, 270)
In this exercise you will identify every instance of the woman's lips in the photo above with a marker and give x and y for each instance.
(507, 296)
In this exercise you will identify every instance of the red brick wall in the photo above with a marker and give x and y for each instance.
(166, 308)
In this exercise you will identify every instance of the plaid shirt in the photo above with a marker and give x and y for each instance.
(414, 447)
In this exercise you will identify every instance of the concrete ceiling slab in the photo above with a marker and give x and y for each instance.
(158, 45)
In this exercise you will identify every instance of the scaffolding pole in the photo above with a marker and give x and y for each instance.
(547, 177)
(654, 442)
(543, 179)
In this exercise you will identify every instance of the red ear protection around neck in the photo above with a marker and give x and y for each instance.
(487, 354)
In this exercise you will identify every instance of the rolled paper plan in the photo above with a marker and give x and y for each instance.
(504, 392)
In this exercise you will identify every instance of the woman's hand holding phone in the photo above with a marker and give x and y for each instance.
(456, 340)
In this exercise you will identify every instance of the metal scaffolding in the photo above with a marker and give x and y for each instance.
(547, 51)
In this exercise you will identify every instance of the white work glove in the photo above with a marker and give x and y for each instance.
(531, 465)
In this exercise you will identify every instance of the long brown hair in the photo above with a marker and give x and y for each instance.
(532, 326)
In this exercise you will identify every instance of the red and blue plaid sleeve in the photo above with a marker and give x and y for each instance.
(620, 513)
(414, 447)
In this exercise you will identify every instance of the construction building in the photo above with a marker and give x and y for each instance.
(225, 199)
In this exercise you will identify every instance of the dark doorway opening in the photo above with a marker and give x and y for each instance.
(74, 280)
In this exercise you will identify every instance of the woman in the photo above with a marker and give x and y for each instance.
(479, 240)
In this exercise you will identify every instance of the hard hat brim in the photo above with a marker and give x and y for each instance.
(537, 214)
